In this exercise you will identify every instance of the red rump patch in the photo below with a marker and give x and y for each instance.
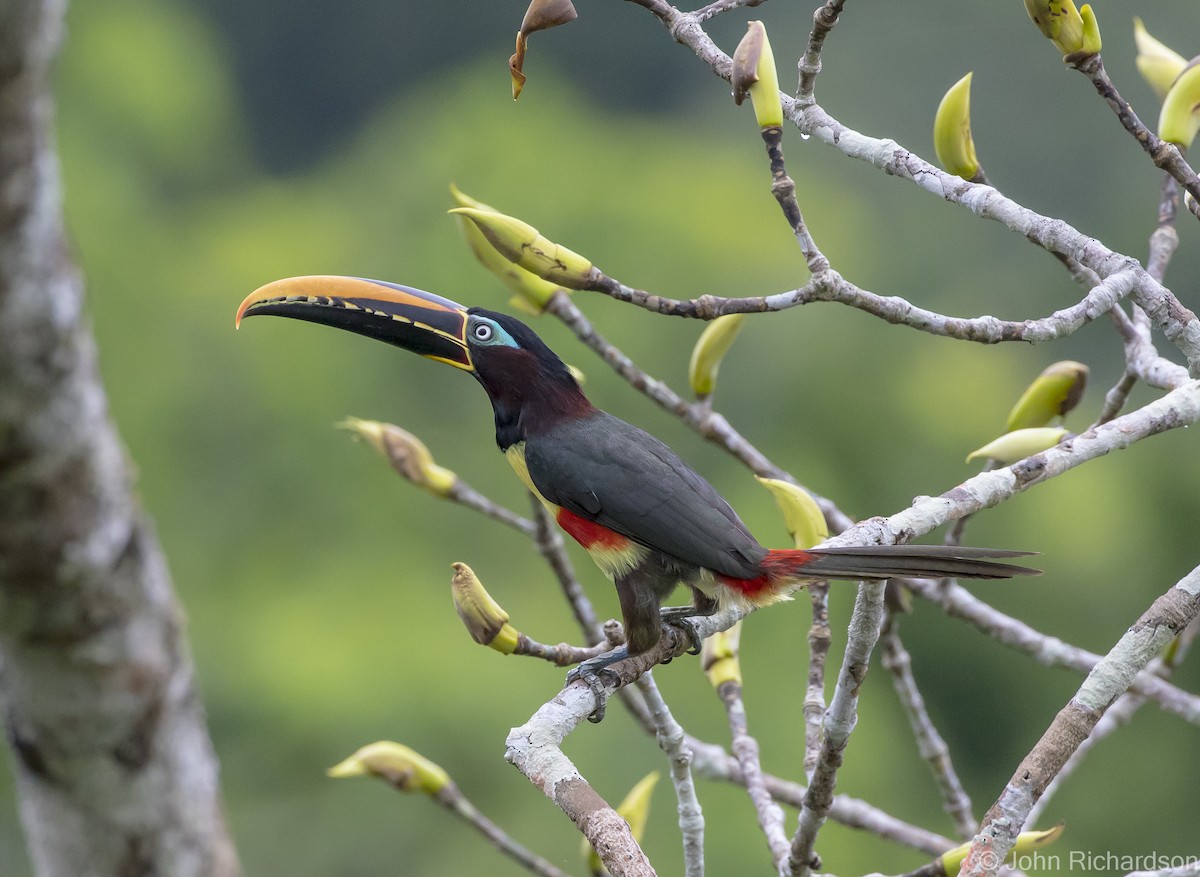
(751, 589)
(783, 563)
(587, 533)
(778, 566)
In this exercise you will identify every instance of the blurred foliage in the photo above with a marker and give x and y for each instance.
(210, 148)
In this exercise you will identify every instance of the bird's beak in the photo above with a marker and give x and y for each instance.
(419, 321)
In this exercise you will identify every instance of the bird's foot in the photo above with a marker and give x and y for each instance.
(589, 671)
(680, 617)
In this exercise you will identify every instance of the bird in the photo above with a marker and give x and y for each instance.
(649, 521)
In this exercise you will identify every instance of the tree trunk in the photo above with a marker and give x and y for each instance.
(115, 771)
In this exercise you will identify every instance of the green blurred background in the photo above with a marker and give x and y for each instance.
(213, 146)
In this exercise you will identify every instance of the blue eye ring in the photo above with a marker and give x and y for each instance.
(488, 333)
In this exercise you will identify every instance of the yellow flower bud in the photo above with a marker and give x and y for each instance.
(1092, 44)
(532, 292)
(719, 656)
(1060, 21)
(407, 454)
(1158, 64)
(634, 809)
(395, 763)
(485, 620)
(710, 349)
(801, 514)
(523, 244)
(541, 15)
(754, 74)
(1026, 843)
(952, 131)
(1019, 444)
(1179, 119)
(1052, 394)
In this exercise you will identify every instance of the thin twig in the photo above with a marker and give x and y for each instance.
(1165, 155)
(824, 20)
(464, 494)
(896, 660)
(840, 719)
(745, 750)
(562, 655)
(1118, 715)
(830, 286)
(550, 545)
(713, 762)
(1049, 651)
(783, 188)
(1169, 615)
(819, 639)
(673, 742)
(452, 798)
(712, 10)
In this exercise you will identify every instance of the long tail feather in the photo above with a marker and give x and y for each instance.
(888, 561)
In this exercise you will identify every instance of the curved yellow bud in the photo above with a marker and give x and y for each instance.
(719, 656)
(1158, 64)
(754, 73)
(395, 763)
(1180, 120)
(407, 454)
(1058, 20)
(1052, 394)
(952, 131)
(801, 514)
(483, 617)
(523, 244)
(1019, 444)
(710, 349)
(532, 292)
(634, 809)
(1026, 843)
(1091, 31)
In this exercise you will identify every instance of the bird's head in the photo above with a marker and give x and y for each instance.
(529, 386)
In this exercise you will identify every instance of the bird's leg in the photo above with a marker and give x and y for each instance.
(681, 617)
(639, 590)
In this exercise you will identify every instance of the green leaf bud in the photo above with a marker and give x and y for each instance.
(483, 617)
(719, 656)
(407, 454)
(952, 131)
(1052, 394)
(1060, 21)
(710, 349)
(1158, 64)
(521, 243)
(1019, 444)
(1027, 842)
(801, 514)
(532, 292)
(754, 73)
(396, 764)
(1179, 119)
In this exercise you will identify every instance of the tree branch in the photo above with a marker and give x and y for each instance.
(1168, 616)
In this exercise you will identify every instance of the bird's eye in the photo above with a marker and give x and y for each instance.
(482, 332)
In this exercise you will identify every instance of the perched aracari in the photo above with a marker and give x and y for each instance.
(647, 519)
